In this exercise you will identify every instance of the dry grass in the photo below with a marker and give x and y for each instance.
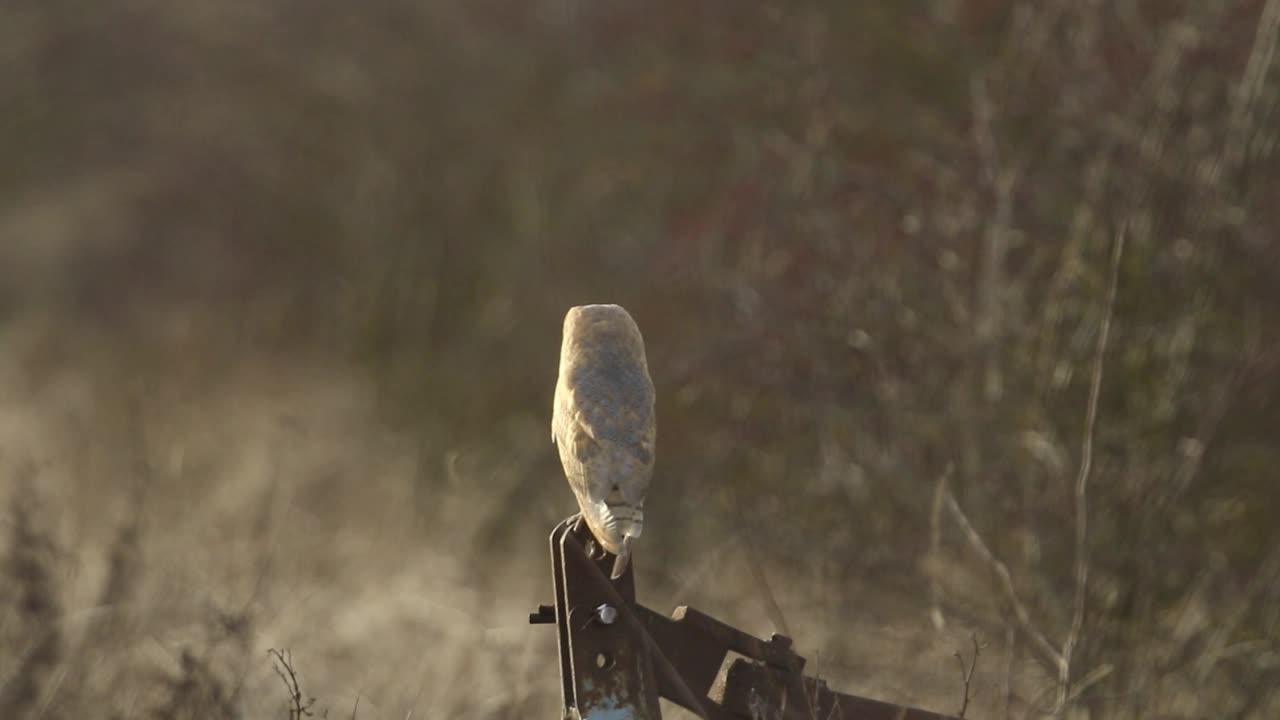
(278, 513)
(279, 292)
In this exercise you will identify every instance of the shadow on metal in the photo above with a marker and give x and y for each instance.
(617, 658)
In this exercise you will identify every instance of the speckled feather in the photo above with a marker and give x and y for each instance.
(603, 422)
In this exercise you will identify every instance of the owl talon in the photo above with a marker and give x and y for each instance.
(619, 566)
(624, 557)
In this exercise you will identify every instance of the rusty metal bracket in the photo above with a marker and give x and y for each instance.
(617, 658)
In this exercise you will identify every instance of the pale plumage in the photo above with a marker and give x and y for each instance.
(603, 423)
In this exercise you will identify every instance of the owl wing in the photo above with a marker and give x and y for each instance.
(604, 427)
(573, 443)
(613, 397)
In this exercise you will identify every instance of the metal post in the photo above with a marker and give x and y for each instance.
(617, 658)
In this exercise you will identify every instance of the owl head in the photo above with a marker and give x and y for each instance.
(602, 326)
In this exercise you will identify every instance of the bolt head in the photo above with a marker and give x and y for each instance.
(607, 614)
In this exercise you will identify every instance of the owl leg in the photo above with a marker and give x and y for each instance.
(578, 526)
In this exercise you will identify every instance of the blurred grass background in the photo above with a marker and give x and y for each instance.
(281, 286)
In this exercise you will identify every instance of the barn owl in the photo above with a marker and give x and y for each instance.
(603, 423)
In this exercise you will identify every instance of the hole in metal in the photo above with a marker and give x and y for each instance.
(604, 661)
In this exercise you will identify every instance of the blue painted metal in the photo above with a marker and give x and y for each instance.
(605, 705)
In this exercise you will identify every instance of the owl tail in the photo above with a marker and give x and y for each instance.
(624, 557)
(614, 522)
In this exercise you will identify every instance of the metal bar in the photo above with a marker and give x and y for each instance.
(670, 679)
(613, 670)
(751, 687)
(567, 693)
(545, 615)
(605, 667)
